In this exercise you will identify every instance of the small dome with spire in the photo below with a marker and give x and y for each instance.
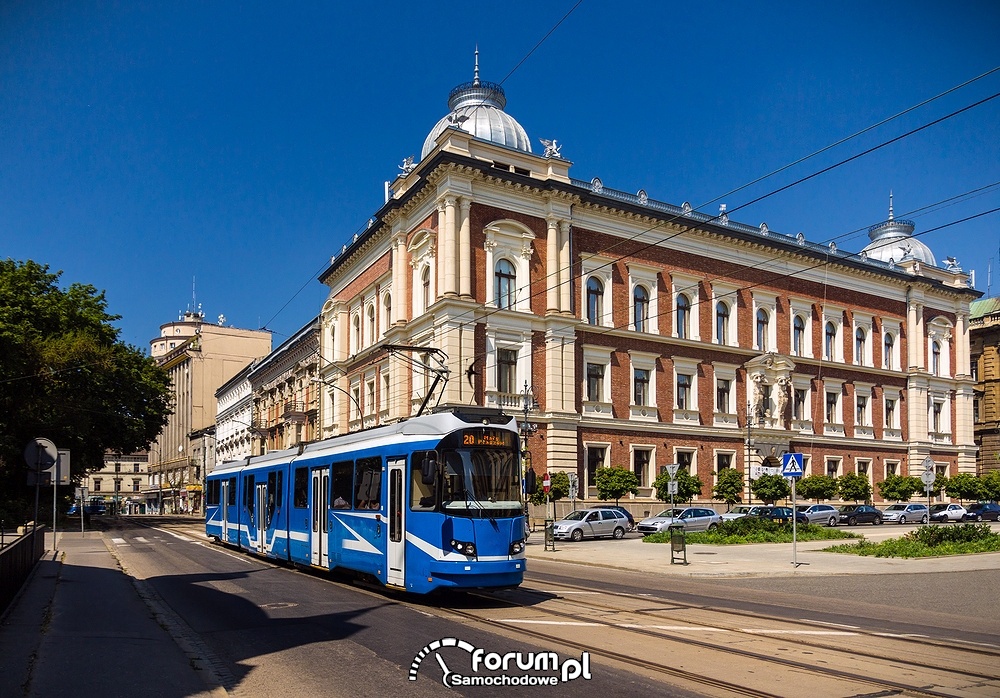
(477, 107)
(892, 241)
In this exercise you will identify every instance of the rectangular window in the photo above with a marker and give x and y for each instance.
(300, 488)
(595, 460)
(341, 485)
(232, 491)
(212, 493)
(641, 386)
(507, 370)
(723, 461)
(640, 464)
(722, 386)
(683, 391)
(831, 407)
(249, 492)
(368, 483)
(862, 403)
(135, 486)
(422, 496)
(135, 468)
(937, 416)
(97, 484)
(832, 467)
(595, 382)
(685, 459)
(890, 414)
(799, 404)
(891, 468)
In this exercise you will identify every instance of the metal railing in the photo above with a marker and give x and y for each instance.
(16, 562)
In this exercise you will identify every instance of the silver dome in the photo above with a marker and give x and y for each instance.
(892, 241)
(477, 108)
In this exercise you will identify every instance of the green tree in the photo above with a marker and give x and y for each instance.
(615, 482)
(65, 376)
(991, 485)
(854, 487)
(965, 486)
(818, 487)
(899, 488)
(688, 486)
(558, 488)
(770, 488)
(729, 486)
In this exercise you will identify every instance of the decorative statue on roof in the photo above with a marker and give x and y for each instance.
(551, 148)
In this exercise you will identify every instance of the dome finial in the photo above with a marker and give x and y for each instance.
(475, 74)
(891, 217)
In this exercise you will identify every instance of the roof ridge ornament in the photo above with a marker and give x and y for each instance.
(475, 72)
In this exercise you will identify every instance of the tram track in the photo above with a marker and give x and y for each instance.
(949, 679)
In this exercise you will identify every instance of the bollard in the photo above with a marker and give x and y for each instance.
(550, 535)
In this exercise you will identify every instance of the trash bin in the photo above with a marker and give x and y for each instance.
(550, 538)
(678, 544)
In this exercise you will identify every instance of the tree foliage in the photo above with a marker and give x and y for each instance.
(729, 486)
(899, 488)
(770, 488)
(558, 488)
(688, 486)
(965, 486)
(854, 487)
(991, 485)
(818, 487)
(615, 482)
(65, 376)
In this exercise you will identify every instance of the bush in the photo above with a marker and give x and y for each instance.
(929, 541)
(754, 529)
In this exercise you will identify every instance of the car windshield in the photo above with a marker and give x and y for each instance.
(575, 515)
(669, 513)
(939, 507)
(896, 507)
(850, 507)
(802, 507)
(741, 510)
(481, 483)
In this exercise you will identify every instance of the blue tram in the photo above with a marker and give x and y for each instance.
(430, 502)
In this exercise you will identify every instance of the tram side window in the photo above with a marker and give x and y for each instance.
(232, 492)
(301, 488)
(249, 491)
(422, 496)
(369, 482)
(272, 492)
(341, 485)
(212, 496)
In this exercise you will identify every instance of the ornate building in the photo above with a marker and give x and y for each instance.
(641, 333)
(985, 329)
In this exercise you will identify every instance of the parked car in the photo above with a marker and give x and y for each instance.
(903, 513)
(691, 518)
(944, 513)
(853, 514)
(590, 523)
(783, 514)
(626, 512)
(741, 510)
(982, 511)
(820, 513)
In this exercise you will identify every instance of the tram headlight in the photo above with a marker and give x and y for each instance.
(464, 547)
(516, 548)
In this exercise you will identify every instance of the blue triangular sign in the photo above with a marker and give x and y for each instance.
(791, 465)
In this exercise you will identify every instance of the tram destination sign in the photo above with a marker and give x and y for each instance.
(489, 438)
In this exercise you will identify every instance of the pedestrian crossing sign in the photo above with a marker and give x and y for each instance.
(791, 465)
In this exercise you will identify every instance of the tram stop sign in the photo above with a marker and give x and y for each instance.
(928, 477)
(546, 483)
(40, 454)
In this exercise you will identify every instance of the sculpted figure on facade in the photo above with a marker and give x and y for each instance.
(784, 387)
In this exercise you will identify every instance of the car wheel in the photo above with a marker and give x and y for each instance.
(619, 532)
(978, 518)
(832, 521)
(923, 520)
(852, 521)
(877, 521)
(713, 527)
(577, 535)
(902, 519)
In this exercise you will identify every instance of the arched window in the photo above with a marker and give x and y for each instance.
(936, 358)
(640, 308)
(887, 351)
(830, 343)
(504, 283)
(683, 316)
(425, 288)
(860, 344)
(798, 335)
(386, 312)
(356, 326)
(722, 322)
(595, 301)
(763, 321)
(370, 325)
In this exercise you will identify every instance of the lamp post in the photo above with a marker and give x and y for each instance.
(527, 404)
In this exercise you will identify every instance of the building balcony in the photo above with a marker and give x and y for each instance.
(294, 411)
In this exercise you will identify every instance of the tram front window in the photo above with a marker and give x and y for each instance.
(478, 483)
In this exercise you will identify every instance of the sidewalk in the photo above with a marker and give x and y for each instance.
(80, 628)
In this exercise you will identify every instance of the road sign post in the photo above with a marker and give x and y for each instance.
(928, 477)
(791, 467)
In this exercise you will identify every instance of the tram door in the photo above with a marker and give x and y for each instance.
(396, 550)
(261, 520)
(224, 508)
(320, 534)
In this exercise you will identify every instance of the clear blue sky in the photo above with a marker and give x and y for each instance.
(240, 144)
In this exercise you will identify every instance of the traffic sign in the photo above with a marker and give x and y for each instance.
(928, 477)
(928, 464)
(672, 487)
(791, 465)
(672, 469)
(40, 454)
(546, 483)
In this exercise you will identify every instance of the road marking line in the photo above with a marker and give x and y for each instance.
(140, 539)
(835, 625)
(119, 541)
(769, 631)
(550, 622)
